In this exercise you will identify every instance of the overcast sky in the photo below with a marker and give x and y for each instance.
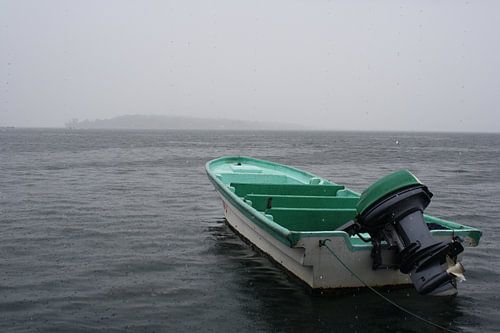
(365, 65)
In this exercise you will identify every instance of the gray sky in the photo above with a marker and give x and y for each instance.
(367, 65)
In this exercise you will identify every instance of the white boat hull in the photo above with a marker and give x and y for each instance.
(313, 264)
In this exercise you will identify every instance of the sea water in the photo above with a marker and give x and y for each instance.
(117, 231)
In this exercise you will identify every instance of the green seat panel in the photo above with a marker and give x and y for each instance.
(242, 189)
(261, 201)
(307, 219)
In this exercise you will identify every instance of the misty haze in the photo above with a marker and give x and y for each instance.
(418, 66)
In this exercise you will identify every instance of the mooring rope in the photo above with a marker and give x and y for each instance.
(323, 243)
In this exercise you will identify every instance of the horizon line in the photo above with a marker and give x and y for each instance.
(254, 130)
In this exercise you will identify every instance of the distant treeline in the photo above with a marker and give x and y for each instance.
(175, 122)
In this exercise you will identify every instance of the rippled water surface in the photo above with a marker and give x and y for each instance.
(122, 231)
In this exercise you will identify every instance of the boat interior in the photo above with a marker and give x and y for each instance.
(303, 205)
(318, 205)
(300, 207)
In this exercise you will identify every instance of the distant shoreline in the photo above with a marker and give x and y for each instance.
(158, 122)
(179, 123)
(245, 130)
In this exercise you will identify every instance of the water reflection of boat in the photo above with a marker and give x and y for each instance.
(382, 235)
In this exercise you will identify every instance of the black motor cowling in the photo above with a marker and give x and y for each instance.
(391, 210)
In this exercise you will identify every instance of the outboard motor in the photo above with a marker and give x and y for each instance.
(391, 210)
